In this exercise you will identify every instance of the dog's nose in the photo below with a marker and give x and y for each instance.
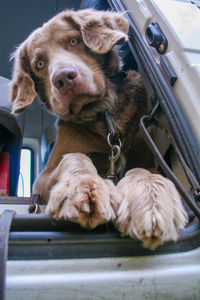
(65, 78)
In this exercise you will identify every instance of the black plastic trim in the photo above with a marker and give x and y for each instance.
(156, 38)
(168, 70)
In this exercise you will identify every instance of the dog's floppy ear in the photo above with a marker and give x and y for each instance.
(101, 30)
(22, 90)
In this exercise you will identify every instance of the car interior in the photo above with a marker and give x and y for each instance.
(31, 136)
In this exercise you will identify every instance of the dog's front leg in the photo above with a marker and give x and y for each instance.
(43, 185)
(69, 140)
(47, 177)
(79, 194)
(151, 208)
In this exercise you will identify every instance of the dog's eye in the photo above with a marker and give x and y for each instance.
(73, 42)
(40, 64)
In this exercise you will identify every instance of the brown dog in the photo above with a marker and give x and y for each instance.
(70, 61)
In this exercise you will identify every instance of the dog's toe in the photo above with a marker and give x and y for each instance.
(95, 205)
(58, 197)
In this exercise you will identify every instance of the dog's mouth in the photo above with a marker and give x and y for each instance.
(77, 99)
(74, 110)
(71, 105)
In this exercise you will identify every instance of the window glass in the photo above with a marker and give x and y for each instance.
(24, 183)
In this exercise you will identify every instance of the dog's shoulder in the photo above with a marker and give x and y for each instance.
(131, 102)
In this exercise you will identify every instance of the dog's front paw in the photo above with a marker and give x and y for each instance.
(151, 209)
(86, 199)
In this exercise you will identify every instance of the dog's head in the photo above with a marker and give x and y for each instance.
(67, 62)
